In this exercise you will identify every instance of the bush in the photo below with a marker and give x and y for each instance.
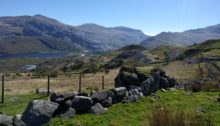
(165, 117)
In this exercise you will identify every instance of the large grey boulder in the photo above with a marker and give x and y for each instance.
(39, 112)
(99, 96)
(62, 97)
(97, 109)
(81, 103)
(6, 120)
(150, 85)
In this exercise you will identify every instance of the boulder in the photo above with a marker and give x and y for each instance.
(149, 86)
(18, 122)
(107, 102)
(97, 109)
(81, 103)
(134, 94)
(99, 96)
(164, 83)
(129, 76)
(62, 97)
(172, 82)
(69, 113)
(119, 94)
(6, 120)
(39, 112)
(63, 108)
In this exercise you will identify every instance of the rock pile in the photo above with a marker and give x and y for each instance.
(129, 77)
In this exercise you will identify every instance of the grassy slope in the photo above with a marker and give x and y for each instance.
(208, 48)
(14, 45)
(159, 51)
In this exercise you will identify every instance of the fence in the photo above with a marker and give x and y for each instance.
(25, 83)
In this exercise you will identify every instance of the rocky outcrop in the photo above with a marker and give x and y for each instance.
(129, 76)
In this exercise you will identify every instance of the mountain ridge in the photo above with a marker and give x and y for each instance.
(185, 38)
(89, 36)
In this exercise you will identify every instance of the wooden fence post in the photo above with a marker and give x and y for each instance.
(48, 85)
(3, 88)
(80, 77)
(103, 81)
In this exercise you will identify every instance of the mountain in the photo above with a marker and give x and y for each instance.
(185, 38)
(24, 34)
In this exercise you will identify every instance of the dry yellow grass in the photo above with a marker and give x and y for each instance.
(25, 84)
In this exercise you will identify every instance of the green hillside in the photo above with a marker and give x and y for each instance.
(13, 45)
(208, 48)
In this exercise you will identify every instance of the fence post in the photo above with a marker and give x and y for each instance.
(103, 81)
(80, 77)
(48, 85)
(3, 88)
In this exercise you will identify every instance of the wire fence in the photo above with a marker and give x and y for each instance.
(26, 83)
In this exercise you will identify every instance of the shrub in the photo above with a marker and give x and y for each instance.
(166, 117)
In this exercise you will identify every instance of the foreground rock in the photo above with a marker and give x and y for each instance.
(99, 96)
(134, 94)
(69, 113)
(6, 120)
(18, 122)
(118, 94)
(82, 103)
(39, 112)
(62, 97)
(97, 109)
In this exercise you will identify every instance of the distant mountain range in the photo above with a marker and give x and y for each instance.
(28, 34)
(185, 38)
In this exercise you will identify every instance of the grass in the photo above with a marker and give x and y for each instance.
(136, 114)
(16, 104)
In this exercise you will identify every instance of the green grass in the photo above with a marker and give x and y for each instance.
(132, 114)
(16, 104)
(136, 114)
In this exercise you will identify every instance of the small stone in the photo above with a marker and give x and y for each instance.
(163, 90)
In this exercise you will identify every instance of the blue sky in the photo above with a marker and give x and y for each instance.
(151, 16)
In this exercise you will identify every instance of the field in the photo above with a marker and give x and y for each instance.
(131, 114)
(22, 84)
(20, 88)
